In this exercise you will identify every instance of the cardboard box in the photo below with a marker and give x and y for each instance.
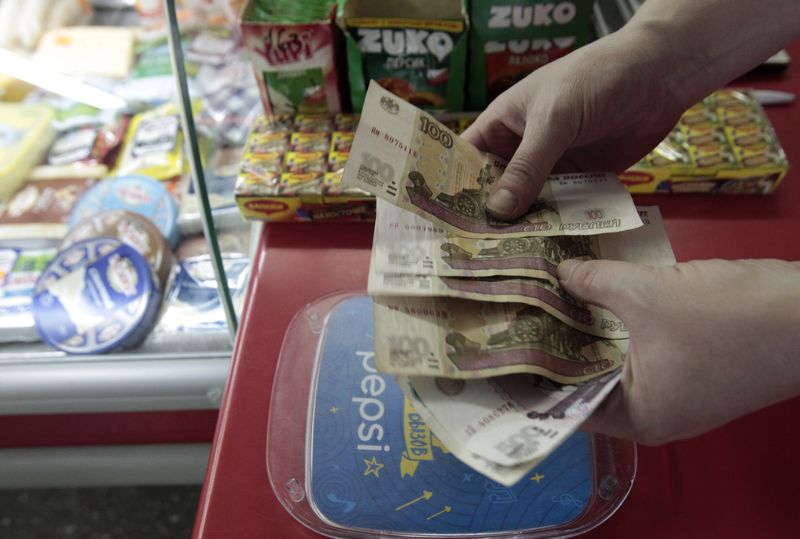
(292, 171)
(511, 38)
(416, 49)
(294, 64)
(723, 145)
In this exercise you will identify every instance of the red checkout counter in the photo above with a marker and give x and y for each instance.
(741, 480)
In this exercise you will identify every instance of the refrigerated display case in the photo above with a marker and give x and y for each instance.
(147, 415)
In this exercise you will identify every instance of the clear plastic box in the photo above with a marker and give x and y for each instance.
(339, 458)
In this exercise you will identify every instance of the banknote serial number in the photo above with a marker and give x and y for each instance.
(489, 418)
(582, 178)
(393, 141)
(421, 311)
(416, 228)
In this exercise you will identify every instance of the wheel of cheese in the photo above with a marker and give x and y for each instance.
(96, 296)
(132, 229)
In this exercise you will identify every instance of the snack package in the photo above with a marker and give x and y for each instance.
(153, 145)
(25, 134)
(511, 38)
(86, 146)
(416, 49)
(723, 145)
(292, 48)
(193, 303)
(151, 79)
(39, 211)
(230, 100)
(19, 270)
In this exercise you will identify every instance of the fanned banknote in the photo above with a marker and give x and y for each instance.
(408, 244)
(504, 426)
(405, 156)
(455, 338)
(539, 293)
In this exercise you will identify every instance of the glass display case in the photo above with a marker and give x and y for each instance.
(179, 120)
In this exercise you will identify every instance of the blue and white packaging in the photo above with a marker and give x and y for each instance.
(193, 303)
(140, 194)
(19, 270)
(95, 296)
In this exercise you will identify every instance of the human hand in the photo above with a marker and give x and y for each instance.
(601, 107)
(710, 341)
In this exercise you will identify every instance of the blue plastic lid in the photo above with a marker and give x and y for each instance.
(140, 194)
(95, 296)
(348, 456)
(375, 464)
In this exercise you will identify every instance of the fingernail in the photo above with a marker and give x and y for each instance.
(502, 201)
(566, 268)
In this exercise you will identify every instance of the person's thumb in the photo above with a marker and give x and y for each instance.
(614, 285)
(523, 178)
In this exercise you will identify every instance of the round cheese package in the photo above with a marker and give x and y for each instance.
(95, 296)
(138, 194)
(132, 229)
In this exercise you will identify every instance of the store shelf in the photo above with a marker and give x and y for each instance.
(158, 464)
(112, 385)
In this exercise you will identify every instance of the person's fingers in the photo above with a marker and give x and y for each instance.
(612, 417)
(474, 135)
(489, 134)
(612, 284)
(541, 147)
(566, 165)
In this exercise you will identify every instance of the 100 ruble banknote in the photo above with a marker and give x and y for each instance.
(405, 156)
(405, 243)
(504, 426)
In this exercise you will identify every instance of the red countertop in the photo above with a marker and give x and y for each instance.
(736, 481)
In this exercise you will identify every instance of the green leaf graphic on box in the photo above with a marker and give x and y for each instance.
(302, 90)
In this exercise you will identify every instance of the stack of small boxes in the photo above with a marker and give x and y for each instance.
(292, 168)
(724, 144)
